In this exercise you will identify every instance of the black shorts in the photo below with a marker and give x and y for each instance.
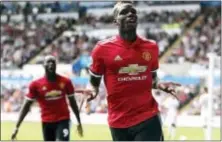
(148, 130)
(56, 130)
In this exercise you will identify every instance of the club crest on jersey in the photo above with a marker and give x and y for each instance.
(61, 85)
(132, 69)
(44, 88)
(118, 58)
(146, 56)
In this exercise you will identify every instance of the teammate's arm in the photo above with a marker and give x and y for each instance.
(75, 109)
(73, 105)
(24, 111)
(30, 97)
(72, 100)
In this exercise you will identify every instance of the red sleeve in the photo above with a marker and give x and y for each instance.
(155, 61)
(69, 88)
(97, 67)
(32, 93)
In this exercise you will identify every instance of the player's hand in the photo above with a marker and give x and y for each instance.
(89, 94)
(80, 130)
(13, 137)
(92, 95)
(169, 87)
(84, 92)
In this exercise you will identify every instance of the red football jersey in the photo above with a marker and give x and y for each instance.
(51, 97)
(127, 69)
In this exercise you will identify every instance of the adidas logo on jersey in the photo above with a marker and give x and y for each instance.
(118, 58)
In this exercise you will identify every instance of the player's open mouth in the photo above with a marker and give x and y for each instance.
(132, 20)
(51, 68)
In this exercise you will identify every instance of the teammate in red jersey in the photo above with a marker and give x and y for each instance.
(128, 64)
(50, 92)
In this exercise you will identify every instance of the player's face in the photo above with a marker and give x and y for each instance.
(126, 18)
(50, 65)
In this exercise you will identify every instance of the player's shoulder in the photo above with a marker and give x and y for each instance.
(63, 78)
(108, 41)
(37, 81)
(148, 41)
(103, 45)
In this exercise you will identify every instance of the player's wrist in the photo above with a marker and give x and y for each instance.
(95, 92)
(17, 126)
(164, 86)
(16, 129)
(79, 91)
(161, 86)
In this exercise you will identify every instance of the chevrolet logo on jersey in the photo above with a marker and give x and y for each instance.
(53, 93)
(132, 69)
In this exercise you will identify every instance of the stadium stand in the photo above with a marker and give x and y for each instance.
(202, 39)
(21, 41)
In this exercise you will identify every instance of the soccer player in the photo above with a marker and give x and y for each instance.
(128, 64)
(51, 92)
(203, 103)
(160, 98)
(172, 104)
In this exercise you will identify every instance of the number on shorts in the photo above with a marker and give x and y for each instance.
(65, 132)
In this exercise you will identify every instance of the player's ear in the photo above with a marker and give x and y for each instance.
(115, 22)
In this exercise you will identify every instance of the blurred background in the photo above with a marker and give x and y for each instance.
(186, 32)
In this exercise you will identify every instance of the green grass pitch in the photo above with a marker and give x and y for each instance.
(33, 131)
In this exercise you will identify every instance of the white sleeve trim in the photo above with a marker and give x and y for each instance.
(154, 70)
(28, 98)
(70, 95)
(93, 74)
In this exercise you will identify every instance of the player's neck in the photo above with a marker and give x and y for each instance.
(51, 76)
(128, 35)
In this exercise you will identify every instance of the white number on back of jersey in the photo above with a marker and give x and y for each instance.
(65, 132)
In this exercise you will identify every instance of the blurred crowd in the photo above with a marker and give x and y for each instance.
(205, 37)
(68, 6)
(12, 98)
(37, 7)
(20, 41)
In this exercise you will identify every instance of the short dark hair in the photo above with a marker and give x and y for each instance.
(117, 5)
